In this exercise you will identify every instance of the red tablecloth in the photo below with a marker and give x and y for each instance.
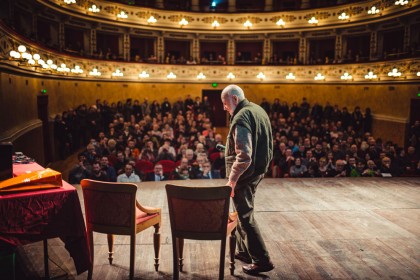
(33, 216)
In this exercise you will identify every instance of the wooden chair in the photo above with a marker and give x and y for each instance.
(112, 208)
(201, 213)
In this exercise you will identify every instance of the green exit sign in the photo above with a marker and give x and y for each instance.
(216, 84)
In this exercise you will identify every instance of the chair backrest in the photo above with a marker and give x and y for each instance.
(214, 156)
(198, 212)
(110, 207)
(168, 165)
(144, 166)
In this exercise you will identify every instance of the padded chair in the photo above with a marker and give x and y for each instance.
(144, 166)
(201, 213)
(168, 165)
(112, 208)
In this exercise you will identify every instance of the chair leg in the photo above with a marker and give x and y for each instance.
(46, 268)
(110, 238)
(132, 254)
(175, 258)
(181, 253)
(232, 249)
(222, 259)
(156, 243)
(91, 250)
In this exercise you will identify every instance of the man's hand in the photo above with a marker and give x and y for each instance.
(232, 185)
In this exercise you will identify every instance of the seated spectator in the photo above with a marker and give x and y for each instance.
(340, 169)
(97, 173)
(157, 174)
(109, 170)
(371, 170)
(387, 167)
(80, 171)
(166, 152)
(180, 173)
(128, 176)
(120, 163)
(207, 173)
(297, 169)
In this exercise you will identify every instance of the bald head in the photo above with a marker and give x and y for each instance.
(231, 96)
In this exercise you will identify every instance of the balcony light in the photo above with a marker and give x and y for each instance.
(290, 76)
(144, 75)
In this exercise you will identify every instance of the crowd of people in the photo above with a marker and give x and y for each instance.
(133, 141)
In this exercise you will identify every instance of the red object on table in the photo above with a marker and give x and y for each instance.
(32, 216)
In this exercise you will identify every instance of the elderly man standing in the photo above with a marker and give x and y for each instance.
(249, 151)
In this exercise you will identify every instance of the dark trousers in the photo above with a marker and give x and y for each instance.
(248, 236)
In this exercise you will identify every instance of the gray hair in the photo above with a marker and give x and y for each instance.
(233, 90)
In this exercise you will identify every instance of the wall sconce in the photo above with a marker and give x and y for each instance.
(95, 72)
(183, 22)
(261, 76)
(394, 73)
(373, 11)
(346, 76)
(69, 2)
(313, 21)
(281, 23)
(94, 9)
(215, 24)
(290, 76)
(201, 76)
(401, 2)
(151, 20)
(319, 77)
(122, 14)
(171, 76)
(63, 68)
(343, 16)
(248, 24)
(230, 76)
(117, 73)
(370, 76)
(144, 75)
(77, 70)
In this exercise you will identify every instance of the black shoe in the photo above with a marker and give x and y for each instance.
(254, 269)
(243, 257)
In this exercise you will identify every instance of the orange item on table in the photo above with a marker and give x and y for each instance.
(35, 180)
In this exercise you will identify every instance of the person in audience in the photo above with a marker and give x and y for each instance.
(97, 173)
(157, 174)
(80, 171)
(371, 170)
(128, 176)
(298, 170)
(109, 170)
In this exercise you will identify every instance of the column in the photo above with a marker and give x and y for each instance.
(159, 4)
(195, 49)
(338, 55)
(268, 5)
(230, 51)
(195, 5)
(305, 4)
(407, 37)
(126, 46)
(303, 49)
(231, 5)
(92, 41)
(266, 51)
(373, 54)
(61, 36)
(160, 49)
(35, 25)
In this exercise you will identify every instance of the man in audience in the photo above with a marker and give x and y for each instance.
(157, 174)
(109, 170)
(97, 173)
(128, 176)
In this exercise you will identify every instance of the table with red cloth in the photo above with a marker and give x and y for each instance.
(32, 216)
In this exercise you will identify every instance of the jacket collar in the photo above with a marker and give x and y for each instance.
(241, 104)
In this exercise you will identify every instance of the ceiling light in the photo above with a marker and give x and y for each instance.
(373, 11)
(215, 24)
(281, 23)
(261, 76)
(77, 70)
(248, 24)
(36, 56)
(319, 77)
(313, 20)
(63, 68)
(122, 14)
(22, 48)
(290, 76)
(346, 76)
(183, 22)
(418, 74)
(151, 20)
(370, 76)
(117, 73)
(171, 76)
(94, 9)
(49, 62)
(394, 73)
(144, 75)
(94, 72)
(343, 16)
(230, 76)
(68, 2)
(201, 76)
(401, 2)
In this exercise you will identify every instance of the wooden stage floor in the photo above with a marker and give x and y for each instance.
(346, 228)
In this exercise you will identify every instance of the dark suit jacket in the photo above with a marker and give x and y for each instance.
(151, 177)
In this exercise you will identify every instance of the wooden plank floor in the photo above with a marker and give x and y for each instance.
(314, 229)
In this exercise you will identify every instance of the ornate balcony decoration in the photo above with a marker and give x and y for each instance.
(117, 73)
(319, 77)
(94, 9)
(290, 76)
(95, 72)
(144, 75)
(201, 76)
(261, 76)
(346, 76)
(171, 76)
(394, 73)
